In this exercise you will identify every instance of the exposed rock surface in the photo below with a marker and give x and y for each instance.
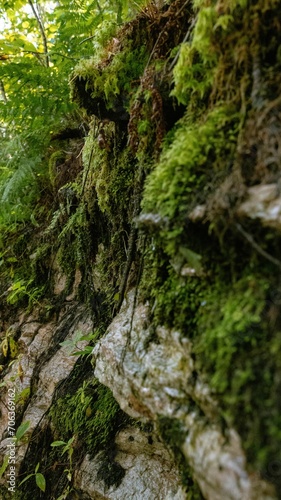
(147, 469)
(151, 376)
(263, 202)
(42, 366)
(149, 473)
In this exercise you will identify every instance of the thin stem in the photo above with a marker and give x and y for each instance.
(41, 27)
(257, 247)
(2, 91)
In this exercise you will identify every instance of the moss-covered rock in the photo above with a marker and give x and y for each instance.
(184, 109)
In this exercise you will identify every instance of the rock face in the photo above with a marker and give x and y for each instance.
(148, 470)
(152, 367)
(151, 376)
(40, 368)
(142, 467)
(263, 203)
(148, 363)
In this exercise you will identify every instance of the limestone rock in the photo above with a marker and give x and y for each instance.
(43, 362)
(263, 202)
(150, 375)
(148, 468)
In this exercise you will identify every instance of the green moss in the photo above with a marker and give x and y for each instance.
(228, 324)
(91, 413)
(112, 77)
(73, 242)
(224, 308)
(206, 32)
(111, 172)
(197, 152)
(234, 325)
(201, 60)
(23, 397)
(226, 314)
(177, 300)
(56, 159)
(190, 75)
(6, 495)
(237, 347)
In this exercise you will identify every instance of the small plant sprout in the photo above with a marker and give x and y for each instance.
(68, 448)
(73, 348)
(39, 478)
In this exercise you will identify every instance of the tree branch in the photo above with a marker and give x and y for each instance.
(2, 91)
(257, 247)
(36, 54)
(41, 27)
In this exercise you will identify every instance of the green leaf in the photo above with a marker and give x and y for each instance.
(4, 465)
(22, 429)
(26, 478)
(83, 352)
(40, 481)
(19, 43)
(57, 443)
(68, 446)
(194, 259)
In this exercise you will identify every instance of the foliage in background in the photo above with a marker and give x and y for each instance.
(40, 44)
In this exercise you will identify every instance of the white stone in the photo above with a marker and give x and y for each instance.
(150, 473)
(150, 379)
(263, 202)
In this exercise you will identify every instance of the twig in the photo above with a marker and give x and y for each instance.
(86, 39)
(51, 53)
(129, 261)
(2, 91)
(186, 37)
(41, 27)
(132, 240)
(140, 270)
(87, 171)
(257, 247)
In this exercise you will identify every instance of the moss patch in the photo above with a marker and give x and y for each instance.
(91, 413)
